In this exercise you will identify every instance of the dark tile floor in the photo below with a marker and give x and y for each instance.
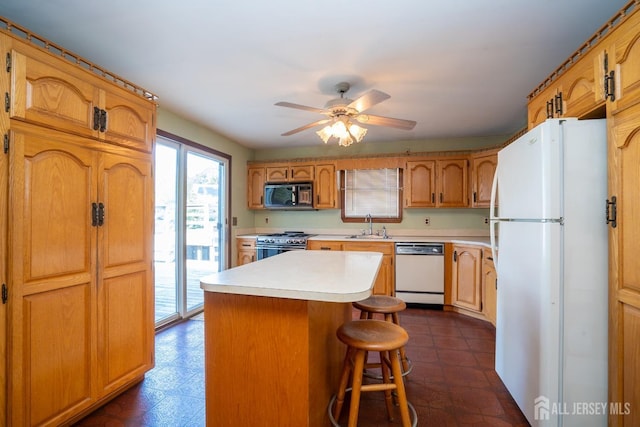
(453, 382)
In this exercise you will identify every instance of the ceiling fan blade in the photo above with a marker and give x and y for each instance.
(307, 126)
(368, 119)
(368, 100)
(300, 107)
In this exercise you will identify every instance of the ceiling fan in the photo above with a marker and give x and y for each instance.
(341, 111)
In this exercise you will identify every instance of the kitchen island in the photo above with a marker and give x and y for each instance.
(271, 353)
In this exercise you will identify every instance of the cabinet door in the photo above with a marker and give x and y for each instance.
(582, 85)
(385, 282)
(419, 183)
(301, 173)
(466, 279)
(50, 92)
(277, 174)
(624, 264)
(52, 265)
(483, 170)
(624, 59)
(489, 286)
(452, 179)
(545, 105)
(325, 186)
(246, 248)
(255, 187)
(130, 120)
(125, 288)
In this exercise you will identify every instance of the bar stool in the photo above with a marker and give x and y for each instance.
(389, 307)
(362, 336)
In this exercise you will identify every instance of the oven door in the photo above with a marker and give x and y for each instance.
(265, 251)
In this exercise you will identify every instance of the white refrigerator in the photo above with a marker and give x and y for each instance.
(549, 237)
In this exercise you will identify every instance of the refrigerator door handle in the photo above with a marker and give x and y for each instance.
(492, 215)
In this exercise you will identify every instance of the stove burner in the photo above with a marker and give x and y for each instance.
(286, 238)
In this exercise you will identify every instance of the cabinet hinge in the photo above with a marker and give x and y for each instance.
(609, 80)
(5, 293)
(6, 143)
(611, 209)
(8, 62)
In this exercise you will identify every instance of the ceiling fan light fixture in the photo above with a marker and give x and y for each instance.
(325, 133)
(358, 132)
(343, 130)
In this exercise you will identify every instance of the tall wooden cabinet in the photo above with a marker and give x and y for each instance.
(80, 236)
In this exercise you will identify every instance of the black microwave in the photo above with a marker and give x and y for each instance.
(288, 196)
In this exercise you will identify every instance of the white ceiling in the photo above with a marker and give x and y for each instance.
(457, 67)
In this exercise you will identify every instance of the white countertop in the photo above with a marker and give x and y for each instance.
(332, 276)
(474, 240)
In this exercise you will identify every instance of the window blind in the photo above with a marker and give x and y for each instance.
(372, 191)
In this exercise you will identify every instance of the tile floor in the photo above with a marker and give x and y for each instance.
(452, 383)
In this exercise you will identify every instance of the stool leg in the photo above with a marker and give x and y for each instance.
(356, 384)
(344, 380)
(386, 379)
(363, 315)
(403, 354)
(402, 395)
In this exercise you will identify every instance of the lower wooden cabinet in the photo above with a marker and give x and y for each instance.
(466, 277)
(246, 248)
(385, 283)
(473, 285)
(489, 286)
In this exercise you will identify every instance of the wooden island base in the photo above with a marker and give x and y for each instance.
(271, 361)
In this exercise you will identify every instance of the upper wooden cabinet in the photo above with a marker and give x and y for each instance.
(289, 173)
(623, 48)
(439, 183)
(255, 187)
(420, 184)
(325, 186)
(54, 93)
(577, 92)
(322, 174)
(483, 167)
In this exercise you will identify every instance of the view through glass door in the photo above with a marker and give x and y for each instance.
(190, 217)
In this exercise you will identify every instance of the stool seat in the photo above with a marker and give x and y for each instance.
(372, 335)
(362, 336)
(381, 304)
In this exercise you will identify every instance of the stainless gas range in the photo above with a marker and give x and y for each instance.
(276, 243)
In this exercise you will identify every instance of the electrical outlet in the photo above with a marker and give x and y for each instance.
(486, 220)
(427, 221)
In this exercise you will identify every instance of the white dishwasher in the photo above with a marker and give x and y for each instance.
(420, 272)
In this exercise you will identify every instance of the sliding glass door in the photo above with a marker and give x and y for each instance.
(191, 212)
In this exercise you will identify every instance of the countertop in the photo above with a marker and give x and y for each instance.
(475, 240)
(472, 240)
(331, 276)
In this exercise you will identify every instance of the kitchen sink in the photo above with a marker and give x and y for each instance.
(367, 236)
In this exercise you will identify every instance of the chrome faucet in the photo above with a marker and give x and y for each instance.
(369, 219)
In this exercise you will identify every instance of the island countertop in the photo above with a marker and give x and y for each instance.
(331, 276)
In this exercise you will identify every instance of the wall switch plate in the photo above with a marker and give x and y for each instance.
(234, 220)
